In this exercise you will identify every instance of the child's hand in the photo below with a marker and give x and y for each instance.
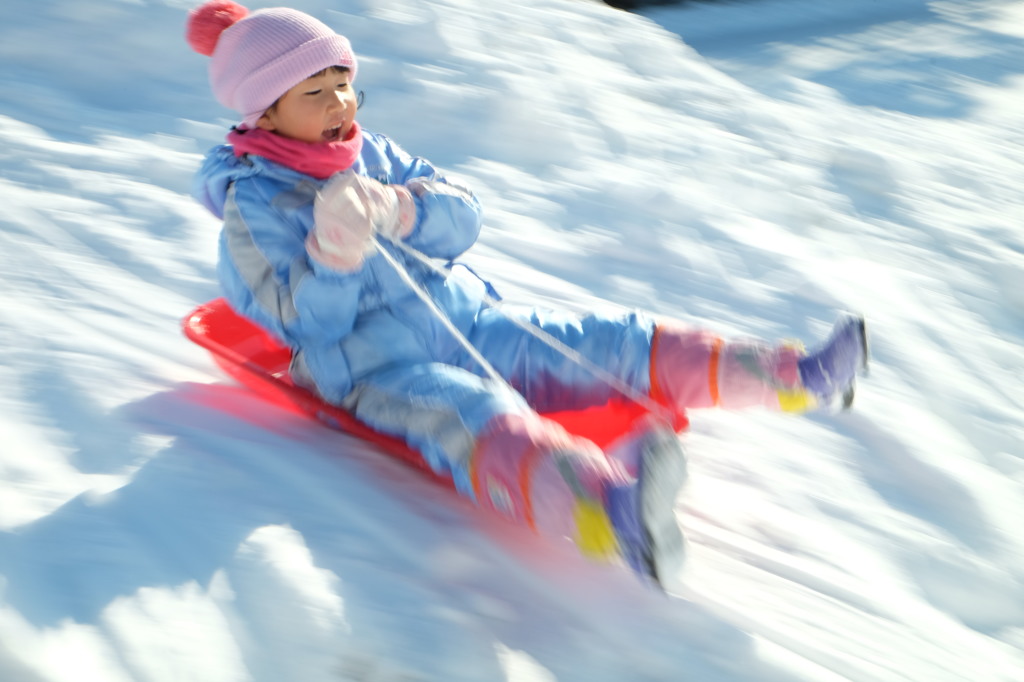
(348, 210)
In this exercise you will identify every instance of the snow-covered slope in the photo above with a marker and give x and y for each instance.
(753, 167)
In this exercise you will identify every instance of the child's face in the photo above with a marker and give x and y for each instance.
(319, 109)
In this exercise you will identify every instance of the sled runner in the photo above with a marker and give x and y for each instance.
(258, 361)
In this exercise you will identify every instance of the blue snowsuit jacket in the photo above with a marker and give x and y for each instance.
(267, 276)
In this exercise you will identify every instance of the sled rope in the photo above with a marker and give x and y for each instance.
(571, 354)
(425, 297)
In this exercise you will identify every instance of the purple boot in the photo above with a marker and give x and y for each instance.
(642, 511)
(831, 370)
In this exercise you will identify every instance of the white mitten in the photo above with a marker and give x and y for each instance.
(348, 210)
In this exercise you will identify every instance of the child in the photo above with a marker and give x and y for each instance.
(317, 215)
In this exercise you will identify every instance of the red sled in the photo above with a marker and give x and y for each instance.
(253, 357)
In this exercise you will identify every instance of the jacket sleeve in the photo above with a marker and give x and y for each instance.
(448, 214)
(267, 275)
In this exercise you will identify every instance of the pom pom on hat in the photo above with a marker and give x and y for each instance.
(207, 22)
(257, 56)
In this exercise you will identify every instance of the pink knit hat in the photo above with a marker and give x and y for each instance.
(258, 56)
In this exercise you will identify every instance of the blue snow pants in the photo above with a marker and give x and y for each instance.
(440, 406)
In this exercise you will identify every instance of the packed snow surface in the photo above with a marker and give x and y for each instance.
(754, 167)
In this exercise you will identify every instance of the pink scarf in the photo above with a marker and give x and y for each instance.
(320, 159)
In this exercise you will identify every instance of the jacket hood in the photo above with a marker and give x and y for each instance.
(221, 168)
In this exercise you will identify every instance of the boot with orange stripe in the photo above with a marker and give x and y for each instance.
(532, 471)
(692, 368)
